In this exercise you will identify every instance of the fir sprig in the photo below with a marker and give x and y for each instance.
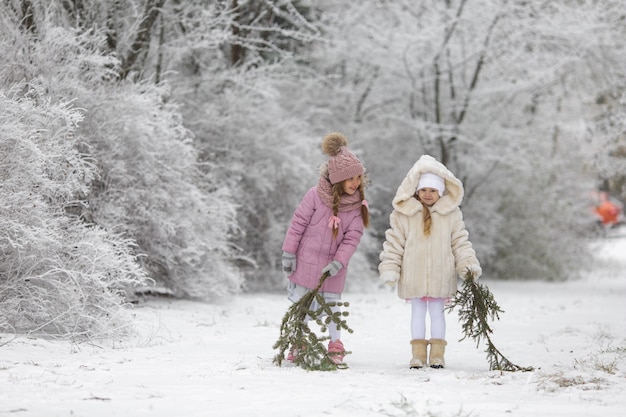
(476, 306)
(296, 333)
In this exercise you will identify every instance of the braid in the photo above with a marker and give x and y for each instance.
(428, 221)
(337, 191)
(365, 213)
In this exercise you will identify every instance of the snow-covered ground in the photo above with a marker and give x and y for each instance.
(192, 359)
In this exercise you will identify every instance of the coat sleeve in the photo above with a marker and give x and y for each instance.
(393, 246)
(299, 222)
(464, 254)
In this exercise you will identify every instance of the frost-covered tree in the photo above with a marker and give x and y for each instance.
(610, 134)
(228, 64)
(152, 188)
(147, 187)
(606, 138)
(266, 30)
(265, 157)
(234, 93)
(58, 275)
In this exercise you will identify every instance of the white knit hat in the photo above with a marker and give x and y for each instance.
(430, 180)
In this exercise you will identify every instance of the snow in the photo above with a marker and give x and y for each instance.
(193, 359)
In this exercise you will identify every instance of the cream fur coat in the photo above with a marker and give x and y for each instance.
(427, 266)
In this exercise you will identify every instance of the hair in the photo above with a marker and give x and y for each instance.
(428, 221)
(337, 190)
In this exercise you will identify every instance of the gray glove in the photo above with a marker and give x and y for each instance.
(332, 268)
(289, 263)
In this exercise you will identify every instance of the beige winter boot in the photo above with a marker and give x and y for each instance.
(437, 350)
(418, 347)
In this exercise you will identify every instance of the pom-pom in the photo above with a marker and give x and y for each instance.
(332, 143)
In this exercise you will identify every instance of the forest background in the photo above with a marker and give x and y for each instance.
(161, 146)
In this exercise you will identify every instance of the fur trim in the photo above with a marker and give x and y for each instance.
(406, 204)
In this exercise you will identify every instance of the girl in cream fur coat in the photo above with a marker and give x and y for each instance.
(425, 249)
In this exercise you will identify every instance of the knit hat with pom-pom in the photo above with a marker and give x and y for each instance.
(342, 164)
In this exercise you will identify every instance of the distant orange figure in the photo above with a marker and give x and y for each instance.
(608, 211)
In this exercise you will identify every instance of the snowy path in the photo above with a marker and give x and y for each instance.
(192, 359)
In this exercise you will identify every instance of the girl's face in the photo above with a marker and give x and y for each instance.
(351, 185)
(428, 196)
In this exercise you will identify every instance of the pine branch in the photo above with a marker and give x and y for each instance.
(477, 306)
(295, 332)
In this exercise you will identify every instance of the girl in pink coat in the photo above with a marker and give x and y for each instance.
(326, 229)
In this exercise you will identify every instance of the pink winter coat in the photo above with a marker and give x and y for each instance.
(311, 239)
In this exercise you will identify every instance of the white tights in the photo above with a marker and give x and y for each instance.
(333, 331)
(296, 292)
(435, 308)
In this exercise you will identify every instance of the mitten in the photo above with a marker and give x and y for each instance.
(332, 268)
(389, 277)
(476, 271)
(289, 263)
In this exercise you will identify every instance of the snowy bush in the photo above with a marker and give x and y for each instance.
(151, 189)
(58, 275)
(72, 258)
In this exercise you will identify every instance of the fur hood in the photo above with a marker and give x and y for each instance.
(404, 202)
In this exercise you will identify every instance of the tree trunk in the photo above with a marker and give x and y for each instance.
(28, 21)
(142, 37)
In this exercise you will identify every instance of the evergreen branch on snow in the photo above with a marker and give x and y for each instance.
(477, 306)
(296, 333)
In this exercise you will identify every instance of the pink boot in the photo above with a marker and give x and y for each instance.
(336, 351)
(293, 354)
